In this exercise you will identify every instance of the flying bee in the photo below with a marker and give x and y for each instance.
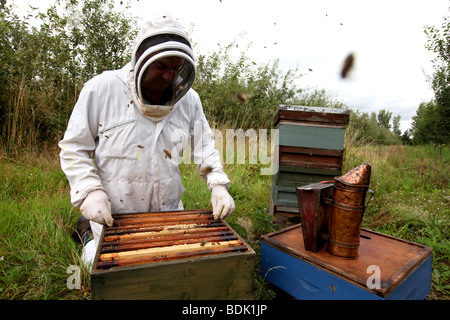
(168, 154)
(205, 170)
(348, 65)
(242, 97)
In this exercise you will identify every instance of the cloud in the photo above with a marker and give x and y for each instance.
(386, 36)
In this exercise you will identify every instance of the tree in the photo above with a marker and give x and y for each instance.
(43, 68)
(101, 35)
(384, 118)
(439, 110)
(396, 126)
(406, 137)
(365, 129)
(427, 127)
(239, 93)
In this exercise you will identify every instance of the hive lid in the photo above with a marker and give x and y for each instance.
(395, 257)
(358, 176)
(312, 115)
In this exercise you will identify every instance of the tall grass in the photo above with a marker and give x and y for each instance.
(411, 201)
(36, 218)
(36, 222)
(249, 189)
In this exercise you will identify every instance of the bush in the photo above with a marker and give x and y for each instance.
(364, 129)
(42, 69)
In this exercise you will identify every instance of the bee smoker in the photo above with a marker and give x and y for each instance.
(348, 207)
(315, 204)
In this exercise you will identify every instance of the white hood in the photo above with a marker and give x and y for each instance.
(158, 38)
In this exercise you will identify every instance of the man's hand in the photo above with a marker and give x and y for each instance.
(96, 207)
(222, 203)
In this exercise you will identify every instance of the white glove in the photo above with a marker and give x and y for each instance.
(96, 207)
(222, 203)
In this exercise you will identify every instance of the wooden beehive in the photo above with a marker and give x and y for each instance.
(403, 268)
(171, 255)
(310, 150)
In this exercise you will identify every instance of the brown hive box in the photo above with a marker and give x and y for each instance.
(170, 256)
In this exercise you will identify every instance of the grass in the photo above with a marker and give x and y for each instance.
(36, 222)
(36, 218)
(411, 201)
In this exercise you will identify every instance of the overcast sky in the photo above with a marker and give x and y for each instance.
(386, 36)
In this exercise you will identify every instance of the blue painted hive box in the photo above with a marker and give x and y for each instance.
(386, 268)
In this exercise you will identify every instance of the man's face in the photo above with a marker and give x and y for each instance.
(161, 73)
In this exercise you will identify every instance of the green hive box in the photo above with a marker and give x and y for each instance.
(310, 150)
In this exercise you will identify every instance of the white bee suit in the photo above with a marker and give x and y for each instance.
(118, 142)
(129, 162)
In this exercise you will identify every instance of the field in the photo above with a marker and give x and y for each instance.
(37, 253)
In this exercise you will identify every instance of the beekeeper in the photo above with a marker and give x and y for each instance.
(128, 128)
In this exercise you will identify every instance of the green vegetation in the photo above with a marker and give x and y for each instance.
(411, 201)
(36, 223)
(432, 123)
(44, 67)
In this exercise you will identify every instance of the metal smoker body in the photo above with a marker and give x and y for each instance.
(315, 204)
(331, 212)
(349, 200)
